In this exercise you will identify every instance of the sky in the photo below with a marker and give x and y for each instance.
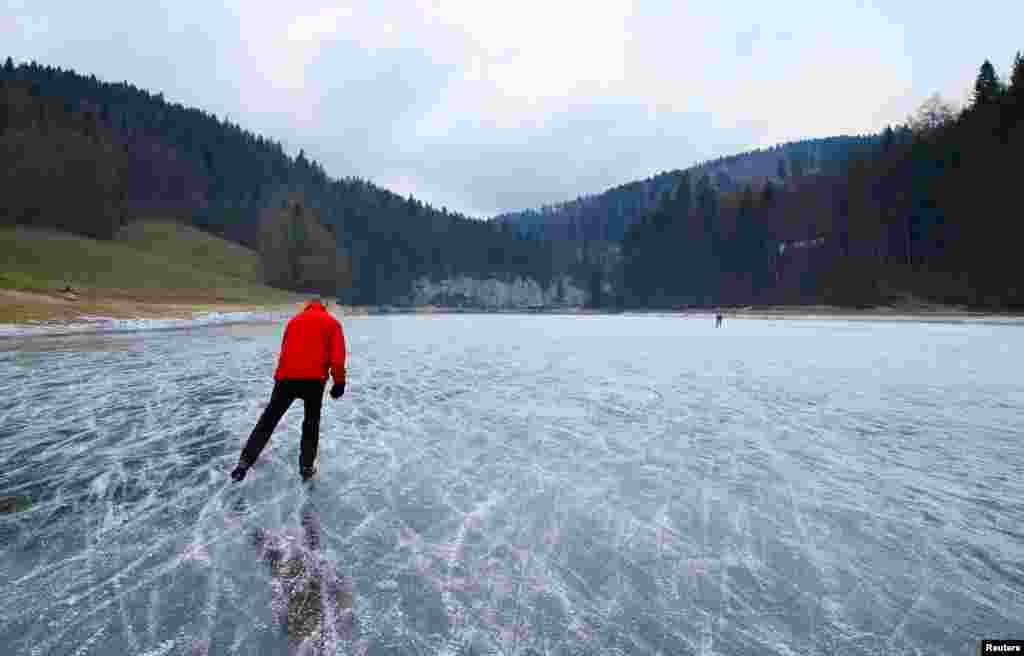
(486, 107)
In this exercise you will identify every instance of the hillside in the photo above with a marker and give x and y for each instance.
(927, 214)
(194, 248)
(609, 214)
(88, 156)
(149, 267)
(918, 211)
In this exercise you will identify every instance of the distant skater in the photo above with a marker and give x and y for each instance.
(718, 320)
(313, 346)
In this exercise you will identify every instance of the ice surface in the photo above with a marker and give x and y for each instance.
(520, 485)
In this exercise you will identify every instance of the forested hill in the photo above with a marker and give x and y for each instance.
(89, 156)
(928, 215)
(924, 210)
(607, 216)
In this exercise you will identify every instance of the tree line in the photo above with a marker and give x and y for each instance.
(922, 209)
(88, 156)
(608, 215)
(926, 212)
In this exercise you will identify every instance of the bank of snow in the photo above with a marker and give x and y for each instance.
(98, 324)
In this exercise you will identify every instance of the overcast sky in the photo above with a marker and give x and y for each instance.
(486, 106)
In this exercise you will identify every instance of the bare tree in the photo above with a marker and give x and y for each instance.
(933, 114)
(298, 252)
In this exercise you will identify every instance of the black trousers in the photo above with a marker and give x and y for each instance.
(285, 391)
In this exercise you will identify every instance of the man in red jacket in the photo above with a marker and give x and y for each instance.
(313, 345)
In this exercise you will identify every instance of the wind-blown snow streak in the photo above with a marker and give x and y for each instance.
(520, 485)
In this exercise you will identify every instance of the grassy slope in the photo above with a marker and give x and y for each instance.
(151, 263)
(193, 247)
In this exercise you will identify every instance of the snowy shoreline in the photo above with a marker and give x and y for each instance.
(98, 324)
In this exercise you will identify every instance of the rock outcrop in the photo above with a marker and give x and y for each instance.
(497, 294)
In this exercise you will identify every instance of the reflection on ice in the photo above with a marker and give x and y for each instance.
(520, 485)
(311, 602)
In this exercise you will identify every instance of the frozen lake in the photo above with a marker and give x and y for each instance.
(521, 485)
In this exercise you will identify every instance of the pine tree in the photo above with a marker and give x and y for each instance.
(676, 205)
(987, 88)
(780, 170)
(8, 67)
(888, 139)
(707, 207)
(594, 288)
(768, 195)
(747, 200)
(684, 196)
(1016, 78)
(796, 165)
(743, 246)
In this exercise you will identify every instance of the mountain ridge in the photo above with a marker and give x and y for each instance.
(607, 215)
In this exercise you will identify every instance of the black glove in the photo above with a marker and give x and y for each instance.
(337, 390)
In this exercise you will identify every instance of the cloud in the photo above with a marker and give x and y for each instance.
(745, 41)
(9, 25)
(30, 27)
(313, 27)
(537, 49)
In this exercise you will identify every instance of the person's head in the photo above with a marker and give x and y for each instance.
(319, 300)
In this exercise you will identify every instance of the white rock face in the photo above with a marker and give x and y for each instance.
(497, 294)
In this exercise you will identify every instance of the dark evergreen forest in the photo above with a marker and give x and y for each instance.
(923, 211)
(88, 156)
(607, 216)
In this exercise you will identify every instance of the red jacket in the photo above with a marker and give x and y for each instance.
(313, 344)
